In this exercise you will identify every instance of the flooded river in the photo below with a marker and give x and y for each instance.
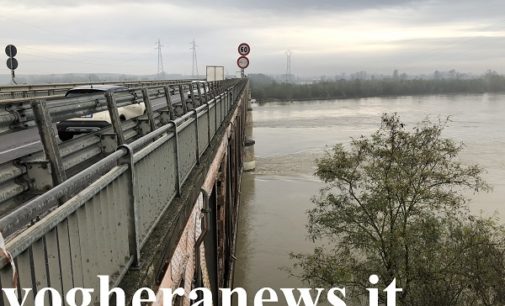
(290, 135)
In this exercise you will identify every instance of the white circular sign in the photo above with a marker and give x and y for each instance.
(243, 62)
(244, 49)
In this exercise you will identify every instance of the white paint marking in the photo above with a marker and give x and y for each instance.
(21, 146)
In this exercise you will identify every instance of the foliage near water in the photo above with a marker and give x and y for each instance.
(265, 88)
(393, 206)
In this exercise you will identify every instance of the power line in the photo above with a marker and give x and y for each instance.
(195, 61)
(288, 66)
(161, 69)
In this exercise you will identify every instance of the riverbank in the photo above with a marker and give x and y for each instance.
(442, 95)
(270, 90)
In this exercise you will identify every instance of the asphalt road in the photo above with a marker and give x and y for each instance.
(20, 143)
(24, 142)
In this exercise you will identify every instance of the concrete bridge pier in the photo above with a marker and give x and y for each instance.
(249, 158)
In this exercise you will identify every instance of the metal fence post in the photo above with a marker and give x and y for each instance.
(149, 109)
(114, 117)
(216, 86)
(206, 91)
(199, 93)
(208, 123)
(226, 101)
(169, 102)
(197, 137)
(176, 149)
(215, 112)
(133, 218)
(48, 139)
(192, 93)
(214, 90)
(221, 108)
(183, 99)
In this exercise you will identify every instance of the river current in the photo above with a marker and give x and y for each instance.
(291, 135)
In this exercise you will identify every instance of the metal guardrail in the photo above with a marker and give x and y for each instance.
(18, 114)
(27, 176)
(102, 228)
(45, 90)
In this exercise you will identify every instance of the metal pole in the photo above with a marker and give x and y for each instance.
(13, 76)
(214, 89)
(149, 109)
(191, 92)
(197, 137)
(48, 139)
(183, 99)
(169, 102)
(133, 214)
(208, 122)
(114, 117)
(215, 113)
(199, 93)
(206, 91)
(176, 149)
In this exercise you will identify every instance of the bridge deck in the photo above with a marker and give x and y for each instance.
(100, 218)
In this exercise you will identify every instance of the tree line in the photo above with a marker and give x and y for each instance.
(265, 88)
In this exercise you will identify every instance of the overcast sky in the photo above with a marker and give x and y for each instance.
(326, 37)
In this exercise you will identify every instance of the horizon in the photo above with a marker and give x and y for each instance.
(111, 76)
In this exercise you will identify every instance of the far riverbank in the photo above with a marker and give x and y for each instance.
(266, 89)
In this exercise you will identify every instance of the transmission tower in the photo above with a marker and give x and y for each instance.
(288, 66)
(161, 70)
(195, 61)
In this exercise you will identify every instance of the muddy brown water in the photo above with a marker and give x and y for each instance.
(290, 135)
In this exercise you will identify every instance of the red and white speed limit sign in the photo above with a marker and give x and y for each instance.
(244, 49)
(242, 62)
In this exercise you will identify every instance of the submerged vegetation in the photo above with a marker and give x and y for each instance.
(393, 205)
(265, 88)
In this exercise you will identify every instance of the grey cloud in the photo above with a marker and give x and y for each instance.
(275, 5)
(127, 38)
(468, 54)
(457, 11)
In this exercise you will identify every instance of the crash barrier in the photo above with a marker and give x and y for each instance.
(102, 227)
(12, 92)
(28, 176)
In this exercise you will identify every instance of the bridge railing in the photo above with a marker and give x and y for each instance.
(18, 114)
(26, 176)
(101, 229)
(13, 92)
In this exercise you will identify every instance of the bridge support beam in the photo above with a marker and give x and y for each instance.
(249, 157)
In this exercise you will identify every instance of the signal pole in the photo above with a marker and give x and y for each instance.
(194, 68)
(161, 70)
(12, 62)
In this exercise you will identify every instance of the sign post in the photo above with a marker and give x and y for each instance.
(12, 63)
(243, 62)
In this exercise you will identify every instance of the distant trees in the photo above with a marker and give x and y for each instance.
(265, 88)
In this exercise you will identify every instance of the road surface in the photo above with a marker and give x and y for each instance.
(21, 143)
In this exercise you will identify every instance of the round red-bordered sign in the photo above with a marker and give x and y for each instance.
(244, 49)
(242, 62)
